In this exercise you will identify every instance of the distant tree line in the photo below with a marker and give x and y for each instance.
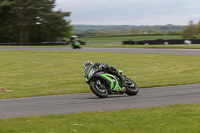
(32, 21)
(192, 30)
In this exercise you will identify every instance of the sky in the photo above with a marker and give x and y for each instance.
(131, 12)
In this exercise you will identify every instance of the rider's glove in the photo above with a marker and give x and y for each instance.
(105, 66)
(97, 64)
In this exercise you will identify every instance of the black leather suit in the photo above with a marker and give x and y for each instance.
(108, 69)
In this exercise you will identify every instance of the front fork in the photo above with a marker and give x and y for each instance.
(99, 83)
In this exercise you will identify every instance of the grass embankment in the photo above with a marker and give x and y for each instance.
(168, 119)
(118, 39)
(36, 73)
(117, 42)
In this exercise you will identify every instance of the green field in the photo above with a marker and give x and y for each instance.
(36, 73)
(168, 119)
(117, 42)
(118, 39)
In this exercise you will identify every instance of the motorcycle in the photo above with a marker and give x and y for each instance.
(103, 84)
(76, 44)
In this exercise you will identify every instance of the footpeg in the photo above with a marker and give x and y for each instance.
(124, 89)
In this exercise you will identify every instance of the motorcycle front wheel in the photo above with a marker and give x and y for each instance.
(131, 88)
(98, 88)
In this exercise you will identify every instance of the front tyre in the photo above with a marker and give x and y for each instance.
(131, 88)
(98, 88)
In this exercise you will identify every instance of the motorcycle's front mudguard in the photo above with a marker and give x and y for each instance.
(76, 46)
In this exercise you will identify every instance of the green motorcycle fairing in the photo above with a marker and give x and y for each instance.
(88, 76)
(77, 44)
(114, 85)
(111, 79)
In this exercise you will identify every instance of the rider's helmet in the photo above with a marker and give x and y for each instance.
(73, 38)
(87, 63)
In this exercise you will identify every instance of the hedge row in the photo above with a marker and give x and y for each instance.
(162, 42)
(34, 44)
(39, 43)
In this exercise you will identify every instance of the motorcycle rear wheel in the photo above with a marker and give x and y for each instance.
(98, 89)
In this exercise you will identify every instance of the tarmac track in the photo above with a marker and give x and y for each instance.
(195, 52)
(84, 102)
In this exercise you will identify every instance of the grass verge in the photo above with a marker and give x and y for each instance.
(37, 73)
(167, 119)
(149, 46)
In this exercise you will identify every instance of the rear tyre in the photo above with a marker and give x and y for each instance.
(131, 88)
(98, 88)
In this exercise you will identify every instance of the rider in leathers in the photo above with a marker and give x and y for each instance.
(111, 70)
